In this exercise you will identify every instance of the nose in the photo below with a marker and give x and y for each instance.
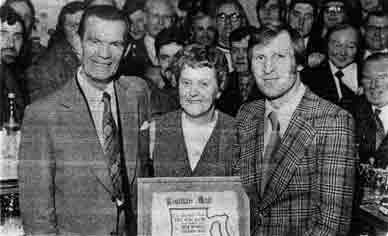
(342, 51)
(301, 22)
(268, 66)
(104, 52)
(10, 42)
(193, 91)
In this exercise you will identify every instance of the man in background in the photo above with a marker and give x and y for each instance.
(12, 35)
(375, 31)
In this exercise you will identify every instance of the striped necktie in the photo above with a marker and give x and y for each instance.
(380, 133)
(111, 148)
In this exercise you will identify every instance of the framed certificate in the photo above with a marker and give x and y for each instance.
(192, 206)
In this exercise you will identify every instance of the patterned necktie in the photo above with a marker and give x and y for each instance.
(380, 133)
(271, 147)
(111, 147)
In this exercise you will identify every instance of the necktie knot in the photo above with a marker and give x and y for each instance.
(339, 74)
(105, 97)
(377, 112)
(274, 121)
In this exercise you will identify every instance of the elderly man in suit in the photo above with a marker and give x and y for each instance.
(297, 151)
(337, 78)
(82, 148)
(372, 111)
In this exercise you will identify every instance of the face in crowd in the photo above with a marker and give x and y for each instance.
(198, 90)
(274, 67)
(333, 14)
(166, 54)
(159, 16)
(228, 19)
(25, 12)
(103, 46)
(370, 5)
(375, 82)
(204, 31)
(71, 25)
(137, 28)
(239, 52)
(342, 47)
(11, 41)
(376, 33)
(269, 13)
(301, 18)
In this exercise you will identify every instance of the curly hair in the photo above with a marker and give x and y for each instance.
(198, 56)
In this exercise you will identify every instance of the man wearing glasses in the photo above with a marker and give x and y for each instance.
(376, 33)
(334, 13)
(229, 16)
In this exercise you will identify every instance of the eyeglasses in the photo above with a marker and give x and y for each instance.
(334, 9)
(234, 18)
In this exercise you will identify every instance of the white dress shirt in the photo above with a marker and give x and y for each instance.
(284, 113)
(349, 78)
(228, 57)
(149, 43)
(96, 105)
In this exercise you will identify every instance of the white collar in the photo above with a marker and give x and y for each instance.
(348, 69)
(92, 92)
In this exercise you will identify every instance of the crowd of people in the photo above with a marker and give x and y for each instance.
(185, 88)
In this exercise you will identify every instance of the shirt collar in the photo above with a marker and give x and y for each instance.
(285, 112)
(92, 92)
(345, 70)
(383, 109)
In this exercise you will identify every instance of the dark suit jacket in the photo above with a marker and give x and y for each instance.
(231, 99)
(62, 167)
(170, 154)
(311, 179)
(52, 70)
(366, 135)
(321, 81)
(136, 60)
(9, 84)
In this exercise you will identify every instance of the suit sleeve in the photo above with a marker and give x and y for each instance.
(36, 176)
(335, 182)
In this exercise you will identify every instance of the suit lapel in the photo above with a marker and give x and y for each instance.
(129, 122)
(82, 125)
(285, 160)
(251, 145)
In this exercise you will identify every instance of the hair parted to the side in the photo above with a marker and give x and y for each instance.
(198, 56)
(167, 36)
(105, 12)
(264, 36)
